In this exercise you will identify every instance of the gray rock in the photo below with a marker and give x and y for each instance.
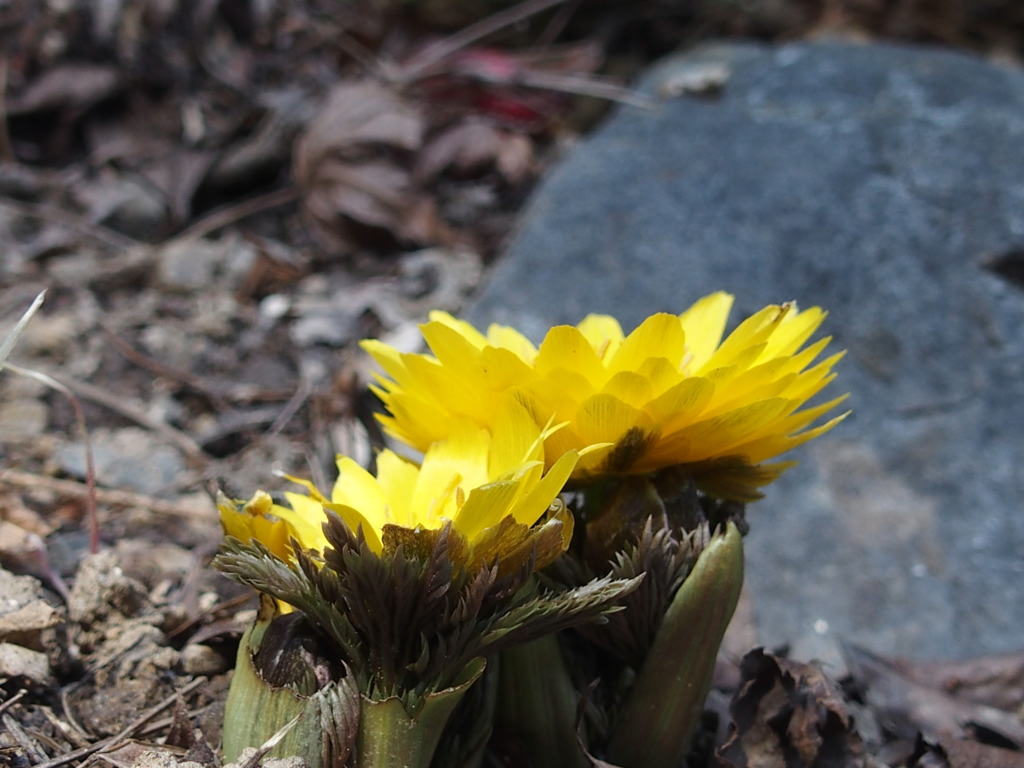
(885, 184)
(17, 592)
(27, 626)
(128, 204)
(22, 663)
(198, 659)
(102, 589)
(22, 419)
(126, 458)
(188, 265)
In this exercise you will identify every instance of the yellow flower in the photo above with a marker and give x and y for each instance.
(670, 393)
(490, 485)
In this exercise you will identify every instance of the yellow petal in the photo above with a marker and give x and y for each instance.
(758, 383)
(704, 324)
(660, 374)
(734, 366)
(605, 419)
(459, 461)
(417, 421)
(357, 488)
(631, 388)
(503, 337)
(471, 334)
(452, 349)
(559, 393)
(447, 388)
(485, 506)
(566, 347)
(515, 439)
(659, 335)
(254, 521)
(810, 382)
(603, 333)
(774, 444)
(681, 404)
(560, 443)
(502, 369)
(801, 360)
(536, 502)
(387, 358)
(753, 331)
(714, 436)
(356, 522)
(397, 479)
(793, 331)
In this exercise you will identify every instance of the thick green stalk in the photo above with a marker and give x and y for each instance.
(664, 706)
(255, 710)
(389, 737)
(336, 718)
(537, 703)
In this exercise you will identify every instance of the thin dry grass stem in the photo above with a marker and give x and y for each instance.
(577, 85)
(6, 149)
(379, 68)
(161, 369)
(66, 731)
(13, 700)
(558, 23)
(69, 715)
(24, 739)
(12, 337)
(90, 467)
(224, 605)
(118, 405)
(291, 408)
(419, 64)
(222, 217)
(256, 757)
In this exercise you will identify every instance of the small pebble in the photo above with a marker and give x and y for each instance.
(199, 659)
(18, 662)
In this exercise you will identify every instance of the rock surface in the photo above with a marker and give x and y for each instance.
(887, 185)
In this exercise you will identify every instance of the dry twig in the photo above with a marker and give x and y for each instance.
(90, 466)
(6, 150)
(13, 700)
(125, 734)
(420, 64)
(118, 405)
(114, 498)
(232, 213)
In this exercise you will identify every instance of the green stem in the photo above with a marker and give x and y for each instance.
(537, 703)
(666, 702)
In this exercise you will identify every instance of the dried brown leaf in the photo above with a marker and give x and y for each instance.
(178, 175)
(357, 114)
(910, 706)
(997, 681)
(68, 85)
(354, 165)
(957, 753)
(788, 714)
(973, 754)
(474, 146)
